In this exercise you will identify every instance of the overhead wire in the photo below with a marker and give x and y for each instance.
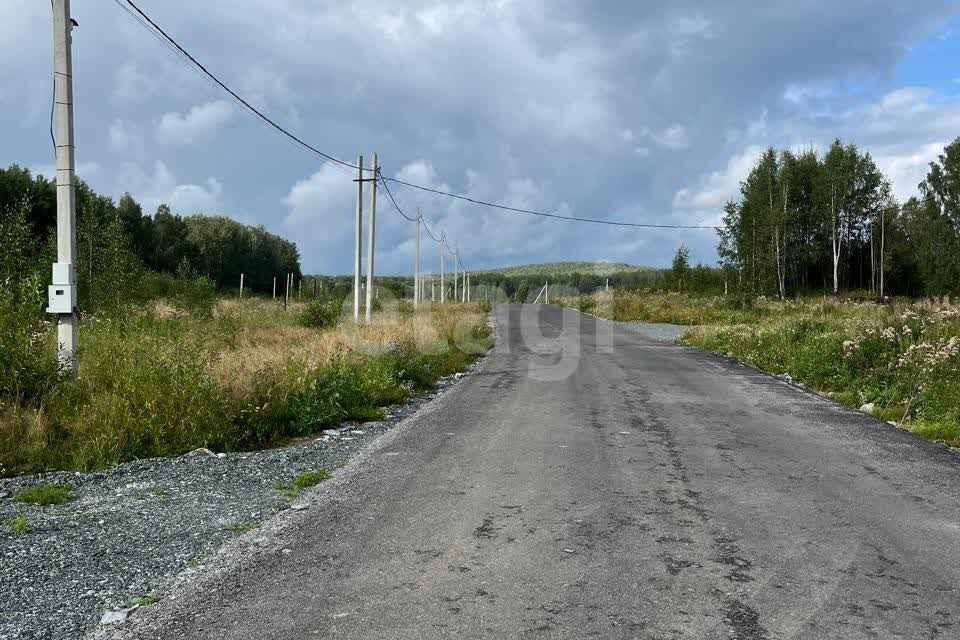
(236, 96)
(545, 214)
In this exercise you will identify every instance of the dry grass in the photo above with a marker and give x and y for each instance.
(161, 381)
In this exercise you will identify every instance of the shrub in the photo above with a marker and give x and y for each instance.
(322, 313)
(194, 292)
(28, 365)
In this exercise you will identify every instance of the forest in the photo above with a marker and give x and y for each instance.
(120, 248)
(807, 222)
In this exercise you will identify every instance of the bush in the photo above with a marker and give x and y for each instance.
(194, 292)
(28, 365)
(322, 313)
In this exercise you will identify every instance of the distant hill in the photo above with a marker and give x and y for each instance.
(566, 268)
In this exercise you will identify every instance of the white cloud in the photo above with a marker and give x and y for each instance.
(200, 123)
(713, 190)
(161, 186)
(908, 167)
(124, 138)
(674, 138)
(130, 83)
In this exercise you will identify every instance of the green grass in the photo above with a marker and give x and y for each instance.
(303, 482)
(145, 601)
(45, 494)
(19, 525)
(241, 527)
(159, 382)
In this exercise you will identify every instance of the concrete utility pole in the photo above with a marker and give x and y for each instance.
(372, 237)
(241, 285)
(416, 265)
(443, 250)
(274, 287)
(433, 290)
(468, 286)
(300, 290)
(358, 242)
(62, 294)
(546, 293)
(456, 273)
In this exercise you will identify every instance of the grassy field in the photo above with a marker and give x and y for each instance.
(902, 356)
(162, 382)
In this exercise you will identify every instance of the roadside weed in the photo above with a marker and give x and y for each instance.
(45, 494)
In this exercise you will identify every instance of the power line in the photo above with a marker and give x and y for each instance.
(236, 96)
(615, 223)
(401, 212)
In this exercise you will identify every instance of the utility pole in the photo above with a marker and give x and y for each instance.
(468, 286)
(546, 293)
(372, 237)
(274, 287)
(443, 250)
(62, 295)
(286, 285)
(300, 290)
(416, 266)
(456, 273)
(357, 245)
(433, 290)
(241, 285)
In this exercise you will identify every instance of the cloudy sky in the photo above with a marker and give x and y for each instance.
(640, 111)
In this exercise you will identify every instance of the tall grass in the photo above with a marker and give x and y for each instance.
(165, 380)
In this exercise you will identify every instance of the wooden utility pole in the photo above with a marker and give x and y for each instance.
(358, 241)
(62, 295)
(372, 226)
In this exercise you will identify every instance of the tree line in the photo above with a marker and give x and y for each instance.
(117, 244)
(809, 221)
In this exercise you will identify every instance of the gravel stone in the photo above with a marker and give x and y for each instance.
(129, 530)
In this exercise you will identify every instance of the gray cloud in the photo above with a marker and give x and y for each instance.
(633, 110)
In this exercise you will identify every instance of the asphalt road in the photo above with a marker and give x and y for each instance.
(588, 482)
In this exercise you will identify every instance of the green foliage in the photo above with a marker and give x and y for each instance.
(303, 482)
(19, 525)
(523, 292)
(322, 312)
(194, 293)
(45, 494)
(145, 601)
(680, 269)
(27, 364)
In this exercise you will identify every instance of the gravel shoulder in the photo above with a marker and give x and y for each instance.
(130, 532)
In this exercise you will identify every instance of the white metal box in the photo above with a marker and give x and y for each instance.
(62, 294)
